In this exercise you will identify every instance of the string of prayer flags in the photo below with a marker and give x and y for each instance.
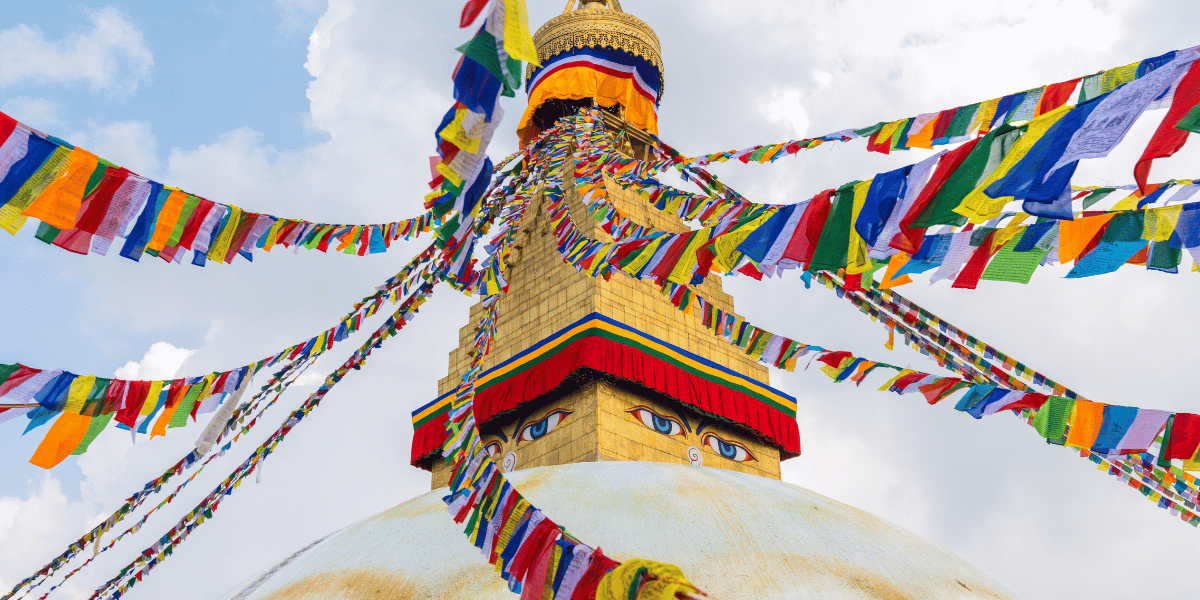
(84, 203)
(1102, 433)
(960, 124)
(275, 386)
(772, 238)
(81, 406)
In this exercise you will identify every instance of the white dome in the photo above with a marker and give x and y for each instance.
(735, 536)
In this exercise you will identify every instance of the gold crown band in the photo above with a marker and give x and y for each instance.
(598, 28)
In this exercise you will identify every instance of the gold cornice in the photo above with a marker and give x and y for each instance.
(598, 28)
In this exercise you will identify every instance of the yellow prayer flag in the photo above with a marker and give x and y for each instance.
(454, 179)
(856, 255)
(456, 132)
(11, 219)
(518, 42)
(1160, 223)
(682, 273)
(983, 117)
(78, 392)
(221, 245)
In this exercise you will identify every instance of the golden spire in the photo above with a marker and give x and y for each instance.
(594, 24)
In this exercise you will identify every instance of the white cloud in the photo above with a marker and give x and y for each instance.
(783, 107)
(111, 56)
(129, 144)
(39, 113)
(162, 361)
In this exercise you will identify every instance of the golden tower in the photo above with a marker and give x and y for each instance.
(590, 414)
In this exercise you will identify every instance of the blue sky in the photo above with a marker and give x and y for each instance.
(325, 111)
(216, 66)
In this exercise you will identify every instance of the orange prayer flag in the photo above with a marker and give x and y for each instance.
(1074, 236)
(167, 218)
(62, 439)
(889, 276)
(58, 205)
(1085, 423)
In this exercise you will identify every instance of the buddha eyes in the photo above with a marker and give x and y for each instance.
(493, 449)
(655, 421)
(731, 450)
(539, 429)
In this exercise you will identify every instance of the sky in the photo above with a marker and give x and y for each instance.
(325, 111)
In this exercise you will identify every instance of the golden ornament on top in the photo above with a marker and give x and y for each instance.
(595, 25)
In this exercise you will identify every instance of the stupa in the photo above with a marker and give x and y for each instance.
(620, 415)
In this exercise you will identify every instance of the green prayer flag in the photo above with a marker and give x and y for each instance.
(94, 428)
(95, 179)
(1190, 121)
(94, 404)
(47, 232)
(1096, 196)
(868, 131)
(963, 117)
(1125, 227)
(1166, 441)
(6, 371)
(758, 154)
(1010, 265)
(1163, 256)
(834, 243)
(483, 49)
(1051, 420)
(179, 418)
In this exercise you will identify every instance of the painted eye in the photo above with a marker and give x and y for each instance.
(731, 450)
(493, 449)
(541, 428)
(655, 421)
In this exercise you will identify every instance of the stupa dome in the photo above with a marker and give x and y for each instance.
(734, 534)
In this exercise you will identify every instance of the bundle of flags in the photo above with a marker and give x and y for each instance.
(85, 202)
(1116, 436)
(960, 124)
(490, 66)
(274, 386)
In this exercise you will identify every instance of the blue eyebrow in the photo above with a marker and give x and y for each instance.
(684, 419)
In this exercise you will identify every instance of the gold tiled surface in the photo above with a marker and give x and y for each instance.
(546, 295)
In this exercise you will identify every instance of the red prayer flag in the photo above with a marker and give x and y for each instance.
(1185, 437)
(1167, 140)
(1055, 95)
(909, 239)
(470, 12)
